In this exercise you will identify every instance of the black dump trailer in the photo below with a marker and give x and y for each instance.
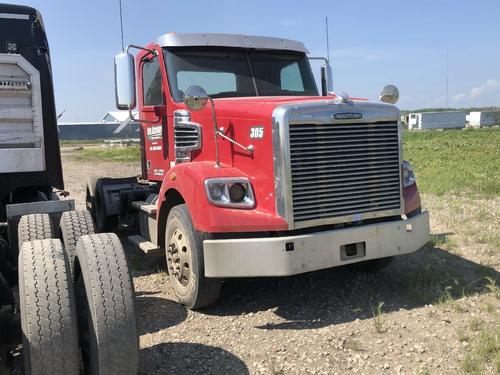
(26, 72)
(66, 295)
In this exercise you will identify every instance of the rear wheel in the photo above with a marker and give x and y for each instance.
(184, 250)
(105, 302)
(48, 318)
(73, 225)
(34, 227)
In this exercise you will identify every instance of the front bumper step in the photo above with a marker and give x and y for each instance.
(276, 256)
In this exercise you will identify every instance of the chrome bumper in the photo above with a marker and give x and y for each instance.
(253, 257)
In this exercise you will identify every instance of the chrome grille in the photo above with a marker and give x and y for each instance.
(344, 169)
(187, 137)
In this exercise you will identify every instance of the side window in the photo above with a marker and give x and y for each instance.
(151, 82)
(291, 79)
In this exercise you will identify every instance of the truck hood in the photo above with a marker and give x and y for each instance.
(264, 106)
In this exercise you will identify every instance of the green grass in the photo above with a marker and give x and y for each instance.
(484, 351)
(354, 345)
(111, 154)
(68, 143)
(460, 162)
(378, 318)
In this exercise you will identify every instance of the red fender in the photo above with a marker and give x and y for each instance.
(188, 180)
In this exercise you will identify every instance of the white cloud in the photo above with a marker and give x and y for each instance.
(439, 101)
(489, 87)
(458, 97)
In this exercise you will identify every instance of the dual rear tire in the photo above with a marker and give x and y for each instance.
(48, 315)
(76, 300)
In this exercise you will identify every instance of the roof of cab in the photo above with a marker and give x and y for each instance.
(229, 40)
(9, 9)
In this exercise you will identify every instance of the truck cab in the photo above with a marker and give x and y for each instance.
(248, 170)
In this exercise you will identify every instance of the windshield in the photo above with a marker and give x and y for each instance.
(232, 72)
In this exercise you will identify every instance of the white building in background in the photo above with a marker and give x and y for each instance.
(113, 125)
(118, 116)
(484, 118)
(437, 120)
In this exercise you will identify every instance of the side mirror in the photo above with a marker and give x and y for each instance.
(326, 79)
(389, 94)
(195, 98)
(125, 81)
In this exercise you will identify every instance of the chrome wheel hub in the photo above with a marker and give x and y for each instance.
(179, 257)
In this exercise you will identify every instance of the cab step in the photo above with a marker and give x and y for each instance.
(146, 246)
(145, 206)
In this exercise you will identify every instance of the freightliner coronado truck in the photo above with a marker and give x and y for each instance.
(249, 171)
(66, 296)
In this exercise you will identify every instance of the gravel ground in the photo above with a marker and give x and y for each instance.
(423, 314)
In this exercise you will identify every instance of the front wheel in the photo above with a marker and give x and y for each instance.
(184, 251)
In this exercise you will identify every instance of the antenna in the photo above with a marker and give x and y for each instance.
(447, 79)
(60, 114)
(121, 25)
(327, 41)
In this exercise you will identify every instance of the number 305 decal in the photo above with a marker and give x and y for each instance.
(257, 132)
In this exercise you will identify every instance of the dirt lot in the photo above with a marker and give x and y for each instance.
(431, 312)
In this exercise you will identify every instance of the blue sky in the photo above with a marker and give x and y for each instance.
(372, 43)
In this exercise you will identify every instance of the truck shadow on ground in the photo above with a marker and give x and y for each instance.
(340, 295)
(166, 313)
(187, 358)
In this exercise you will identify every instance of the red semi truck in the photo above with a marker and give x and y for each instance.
(249, 171)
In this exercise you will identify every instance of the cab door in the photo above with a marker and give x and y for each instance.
(154, 136)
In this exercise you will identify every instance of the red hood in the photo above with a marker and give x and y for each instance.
(264, 105)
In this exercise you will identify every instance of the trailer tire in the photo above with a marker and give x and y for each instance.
(48, 315)
(184, 244)
(72, 226)
(106, 309)
(374, 265)
(34, 227)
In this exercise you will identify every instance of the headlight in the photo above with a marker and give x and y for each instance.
(235, 192)
(408, 175)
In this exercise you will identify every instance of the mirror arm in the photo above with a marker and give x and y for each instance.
(319, 58)
(214, 120)
(151, 51)
(131, 116)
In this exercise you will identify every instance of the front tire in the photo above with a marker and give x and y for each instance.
(184, 251)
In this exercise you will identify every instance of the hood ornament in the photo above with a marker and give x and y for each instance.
(343, 97)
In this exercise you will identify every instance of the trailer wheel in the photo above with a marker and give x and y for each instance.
(34, 227)
(105, 302)
(48, 317)
(374, 265)
(73, 225)
(184, 250)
